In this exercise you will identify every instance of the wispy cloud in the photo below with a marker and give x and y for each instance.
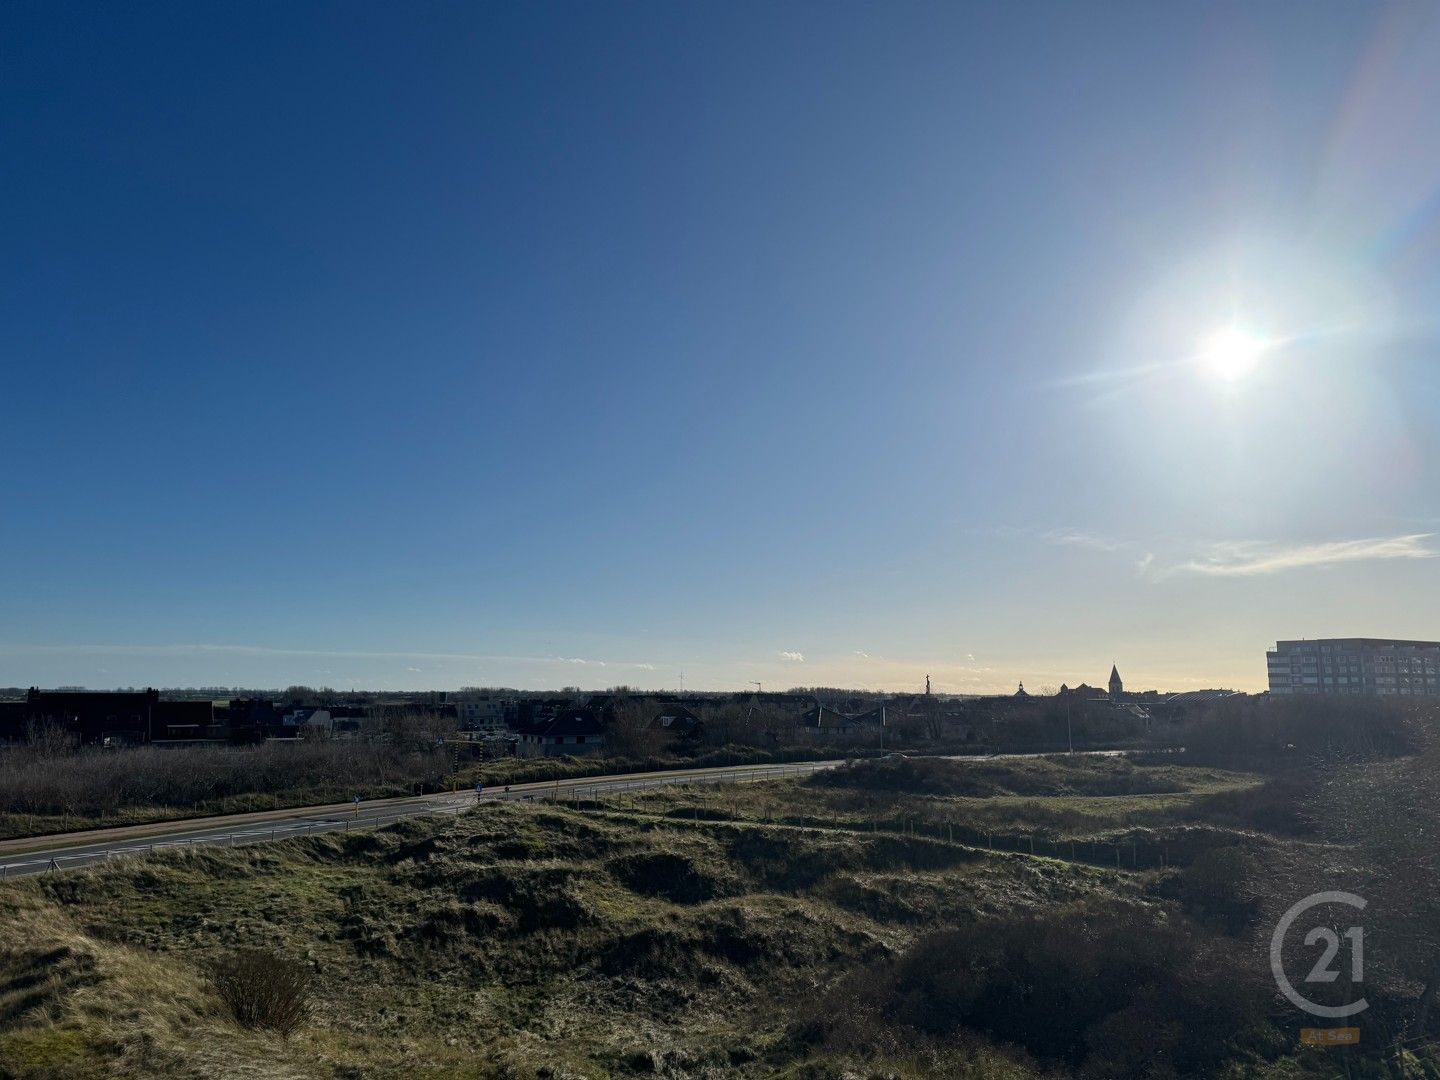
(1084, 539)
(1162, 558)
(1246, 558)
(798, 658)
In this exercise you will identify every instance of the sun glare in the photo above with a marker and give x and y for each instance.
(1232, 353)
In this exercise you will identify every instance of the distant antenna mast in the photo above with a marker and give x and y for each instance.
(682, 682)
(758, 688)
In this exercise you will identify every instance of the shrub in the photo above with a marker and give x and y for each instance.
(1280, 733)
(1082, 987)
(95, 781)
(263, 990)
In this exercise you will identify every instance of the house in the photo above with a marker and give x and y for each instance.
(486, 713)
(129, 718)
(678, 721)
(566, 731)
(94, 718)
(176, 722)
(305, 723)
(822, 722)
(1083, 692)
(249, 719)
(14, 719)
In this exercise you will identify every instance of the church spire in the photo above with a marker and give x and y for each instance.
(1117, 687)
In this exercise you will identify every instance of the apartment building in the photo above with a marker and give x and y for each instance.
(1355, 666)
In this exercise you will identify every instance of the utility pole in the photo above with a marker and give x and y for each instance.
(758, 688)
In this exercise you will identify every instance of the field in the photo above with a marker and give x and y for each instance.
(828, 928)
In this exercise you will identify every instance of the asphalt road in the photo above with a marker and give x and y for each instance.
(68, 851)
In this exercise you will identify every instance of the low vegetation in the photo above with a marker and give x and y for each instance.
(806, 929)
(263, 990)
(988, 777)
(50, 789)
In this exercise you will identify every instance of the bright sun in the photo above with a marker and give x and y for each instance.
(1232, 353)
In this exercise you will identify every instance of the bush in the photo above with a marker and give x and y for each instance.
(263, 990)
(95, 781)
(1274, 733)
(1095, 989)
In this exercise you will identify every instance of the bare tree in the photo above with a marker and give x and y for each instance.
(632, 732)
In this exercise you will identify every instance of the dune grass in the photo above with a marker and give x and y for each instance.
(677, 933)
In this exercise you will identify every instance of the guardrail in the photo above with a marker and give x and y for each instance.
(561, 791)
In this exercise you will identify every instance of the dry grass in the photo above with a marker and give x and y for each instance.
(47, 792)
(674, 934)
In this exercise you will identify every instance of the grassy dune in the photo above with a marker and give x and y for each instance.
(771, 929)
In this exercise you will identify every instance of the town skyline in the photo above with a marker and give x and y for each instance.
(596, 675)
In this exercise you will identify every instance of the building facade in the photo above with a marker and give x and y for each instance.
(1375, 666)
(568, 731)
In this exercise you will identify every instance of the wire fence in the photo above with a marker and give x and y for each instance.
(1121, 853)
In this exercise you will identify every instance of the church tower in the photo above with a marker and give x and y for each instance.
(1117, 687)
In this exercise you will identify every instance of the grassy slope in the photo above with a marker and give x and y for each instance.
(673, 934)
(545, 936)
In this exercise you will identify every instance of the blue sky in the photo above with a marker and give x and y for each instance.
(441, 344)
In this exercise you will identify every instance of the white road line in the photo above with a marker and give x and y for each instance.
(559, 791)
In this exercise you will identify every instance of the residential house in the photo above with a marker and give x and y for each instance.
(566, 731)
